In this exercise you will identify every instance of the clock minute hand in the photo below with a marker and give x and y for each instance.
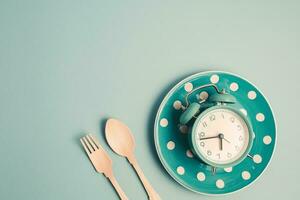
(209, 137)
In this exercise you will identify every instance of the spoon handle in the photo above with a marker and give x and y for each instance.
(152, 195)
(117, 187)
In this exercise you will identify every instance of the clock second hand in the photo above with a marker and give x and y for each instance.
(226, 140)
(221, 136)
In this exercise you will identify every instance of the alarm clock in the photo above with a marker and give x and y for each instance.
(220, 135)
(215, 133)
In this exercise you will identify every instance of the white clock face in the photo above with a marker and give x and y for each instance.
(222, 136)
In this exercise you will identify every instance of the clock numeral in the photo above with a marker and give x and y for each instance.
(208, 152)
(236, 148)
(241, 138)
(222, 115)
(202, 144)
(232, 119)
(219, 155)
(201, 135)
(212, 117)
(239, 127)
(204, 124)
(229, 155)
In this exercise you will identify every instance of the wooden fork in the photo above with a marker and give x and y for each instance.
(101, 161)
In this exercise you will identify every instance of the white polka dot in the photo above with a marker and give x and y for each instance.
(253, 135)
(189, 154)
(214, 78)
(257, 158)
(164, 122)
(260, 117)
(244, 111)
(246, 175)
(228, 169)
(203, 95)
(234, 87)
(177, 105)
(220, 183)
(188, 87)
(201, 176)
(267, 139)
(170, 145)
(180, 170)
(251, 95)
(184, 129)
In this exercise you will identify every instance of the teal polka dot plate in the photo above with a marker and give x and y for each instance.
(171, 138)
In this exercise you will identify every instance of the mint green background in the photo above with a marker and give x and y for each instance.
(65, 66)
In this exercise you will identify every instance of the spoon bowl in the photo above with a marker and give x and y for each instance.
(119, 137)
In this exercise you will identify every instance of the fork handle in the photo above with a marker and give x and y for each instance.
(152, 194)
(117, 187)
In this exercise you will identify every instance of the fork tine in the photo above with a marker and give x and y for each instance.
(85, 147)
(94, 141)
(91, 142)
(88, 144)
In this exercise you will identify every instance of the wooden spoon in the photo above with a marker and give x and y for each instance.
(120, 139)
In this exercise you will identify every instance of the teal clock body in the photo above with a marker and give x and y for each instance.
(195, 137)
(175, 128)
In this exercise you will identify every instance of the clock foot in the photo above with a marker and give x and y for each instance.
(250, 156)
(213, 170)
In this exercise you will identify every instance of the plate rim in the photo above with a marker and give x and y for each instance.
(159, 112)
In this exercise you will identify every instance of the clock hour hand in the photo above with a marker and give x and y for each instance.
(221, 136)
